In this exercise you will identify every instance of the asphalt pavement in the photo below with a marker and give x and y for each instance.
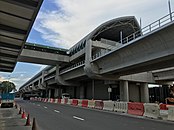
(50, 116)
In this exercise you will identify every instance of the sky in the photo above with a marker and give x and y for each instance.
(62, 23)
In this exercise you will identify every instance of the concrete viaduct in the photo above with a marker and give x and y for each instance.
(118, 55)
(102, 60)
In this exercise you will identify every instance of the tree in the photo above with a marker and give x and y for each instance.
(7, 86)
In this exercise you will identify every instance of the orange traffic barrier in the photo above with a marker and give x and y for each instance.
(163, 106)
(74, 102)
(136, 108)
(84, 103)
(59, 100)
(99, 104)
(28, 121)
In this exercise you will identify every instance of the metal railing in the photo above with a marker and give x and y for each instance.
(72, 67)
(146, 30)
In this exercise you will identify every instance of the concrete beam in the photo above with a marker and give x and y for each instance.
(39, 57)
(149, 52)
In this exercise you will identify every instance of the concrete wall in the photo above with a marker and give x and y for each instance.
(101, 90)
(89, 90)
(134, 92)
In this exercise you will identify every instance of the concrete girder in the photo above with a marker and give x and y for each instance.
(149, 52)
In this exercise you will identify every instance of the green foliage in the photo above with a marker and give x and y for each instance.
(7, 86)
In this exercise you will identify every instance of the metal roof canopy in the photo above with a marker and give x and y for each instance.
(16, 20)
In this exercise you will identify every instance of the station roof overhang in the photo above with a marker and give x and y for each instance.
(16, 20)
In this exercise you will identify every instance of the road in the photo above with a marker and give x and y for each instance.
(64, 117)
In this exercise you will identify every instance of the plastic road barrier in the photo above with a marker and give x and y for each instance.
(135, 108)
(65, 100)
(151, 110)
(69, 101)
(51, 100)
(74, 102)
(48, 100)
(121, 107)
(91, 103)
(62, 101)
(163, 111)
(59, 100)
(108, 105)
(79, 102)
(98, 104)
(56, 100)
(84, 103)
(171, 112)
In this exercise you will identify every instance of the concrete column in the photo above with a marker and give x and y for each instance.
(49, 93)
(88, 52)
(124, 91)
(93, 89)
(59, 92)
(56, 92)
(82, 92)
(144, 92)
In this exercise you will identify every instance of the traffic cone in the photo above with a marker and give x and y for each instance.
(28, 121)
(16, 106)
(23, 115)
(34, 126)
(20, 111)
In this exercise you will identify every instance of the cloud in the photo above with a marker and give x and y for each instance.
(74, 19)
(2, 79)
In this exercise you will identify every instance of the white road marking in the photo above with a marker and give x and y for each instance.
(57, 111)
(78, 118)
(45, 107)
(38, 105)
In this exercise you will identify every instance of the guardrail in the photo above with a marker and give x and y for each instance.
(81, 63)
(146, 30)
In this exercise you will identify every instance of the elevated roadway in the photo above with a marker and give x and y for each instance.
(40, 54)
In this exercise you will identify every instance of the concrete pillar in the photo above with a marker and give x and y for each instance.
(124, 91)
(144, 92)
(59, 92)
(88, 52)
(93, 89)
(56, 92)
(49, 93)
(82, 92)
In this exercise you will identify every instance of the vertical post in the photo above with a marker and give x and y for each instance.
(140, 23)
(170, 10)
(124, 91)
(121, 37)
(144, 92)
